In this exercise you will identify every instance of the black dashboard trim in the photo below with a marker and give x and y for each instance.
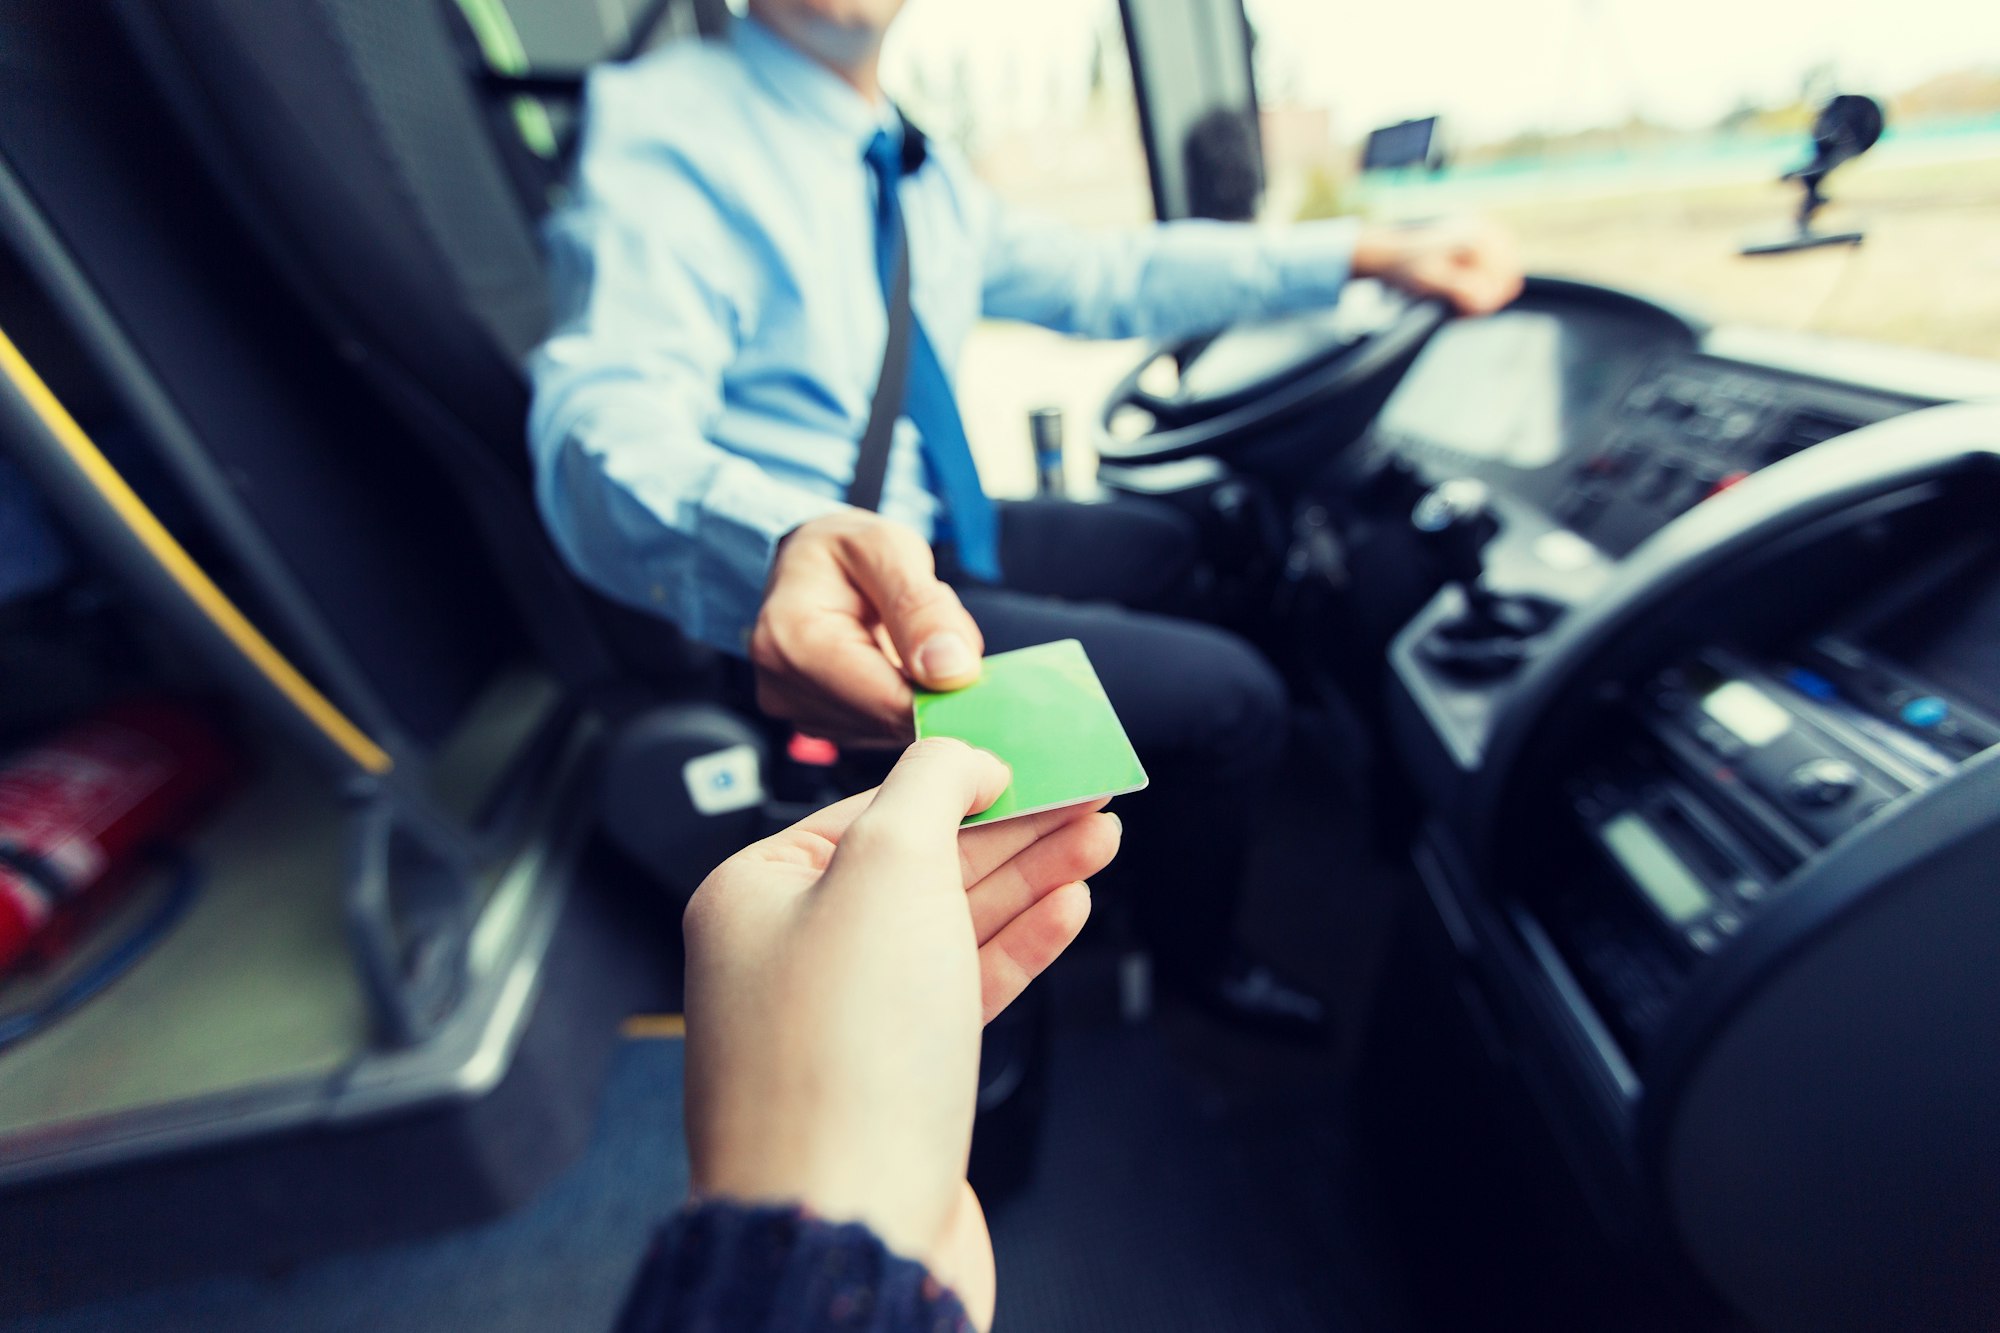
(1825, 481)
(1841, 880)
(1542, 288)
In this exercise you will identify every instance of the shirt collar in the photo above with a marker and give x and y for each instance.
(810, 88)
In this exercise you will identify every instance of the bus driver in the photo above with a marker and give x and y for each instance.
(723, 277)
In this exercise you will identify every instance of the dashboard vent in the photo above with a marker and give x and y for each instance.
(1804, 429)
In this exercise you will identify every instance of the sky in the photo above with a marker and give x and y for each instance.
(1495, 67)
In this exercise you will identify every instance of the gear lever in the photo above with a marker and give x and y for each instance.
(1456, 522)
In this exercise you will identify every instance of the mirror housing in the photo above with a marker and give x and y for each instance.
(1847, 126)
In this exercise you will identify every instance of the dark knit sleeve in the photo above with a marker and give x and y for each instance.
(723, 1268)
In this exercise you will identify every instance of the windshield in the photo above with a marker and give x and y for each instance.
(1640, 144)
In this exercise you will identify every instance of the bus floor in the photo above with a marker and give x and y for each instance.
(1186, 1178)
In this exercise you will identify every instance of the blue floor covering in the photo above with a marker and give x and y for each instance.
(562, 1263)
(1137, 1221)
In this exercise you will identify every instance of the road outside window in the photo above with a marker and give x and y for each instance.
(1639, 144)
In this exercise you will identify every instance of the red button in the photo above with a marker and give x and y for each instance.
(1730, 480)
(812, 751)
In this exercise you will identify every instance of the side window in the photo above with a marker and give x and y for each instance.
(1038, 95)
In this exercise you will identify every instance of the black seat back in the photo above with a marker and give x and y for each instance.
(302, 495)
(358, 142)
(529, 58)
(346, 133)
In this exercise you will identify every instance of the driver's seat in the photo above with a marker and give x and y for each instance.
(390, 174)
(392, 159)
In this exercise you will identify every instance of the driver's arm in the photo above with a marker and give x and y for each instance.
(645, 506)
(638, 498)
(1174, 280)
(1179, 279)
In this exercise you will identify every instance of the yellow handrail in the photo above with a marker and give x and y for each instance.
(180, 566)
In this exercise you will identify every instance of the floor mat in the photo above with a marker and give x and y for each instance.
(1189, 1180)
(564, 1263)
(1137, 1220)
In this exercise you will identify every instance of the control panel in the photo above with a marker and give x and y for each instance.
(1618, 458)
(1732, 774)
(1686, 431)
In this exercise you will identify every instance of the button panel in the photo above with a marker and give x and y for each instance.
(1757, 769)
(1684, 434)
(1822, 784)
(1938, 733)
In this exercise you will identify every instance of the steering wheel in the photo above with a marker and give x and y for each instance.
(1236, 388)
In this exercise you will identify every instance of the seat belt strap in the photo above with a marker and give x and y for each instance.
(871, 466)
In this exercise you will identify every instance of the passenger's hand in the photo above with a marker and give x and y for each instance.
(838, 977)
(853, 614)
(1471, 264)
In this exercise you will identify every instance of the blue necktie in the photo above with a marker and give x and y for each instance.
(928, 400)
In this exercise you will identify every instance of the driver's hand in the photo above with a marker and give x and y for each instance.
(838, 977)
(1469, 263)
(853, 614)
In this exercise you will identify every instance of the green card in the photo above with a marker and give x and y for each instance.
(1043, 710)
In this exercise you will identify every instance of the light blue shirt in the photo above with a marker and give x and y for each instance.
(721, 321)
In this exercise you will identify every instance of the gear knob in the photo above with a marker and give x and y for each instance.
(1455, 521)
(1489, 638)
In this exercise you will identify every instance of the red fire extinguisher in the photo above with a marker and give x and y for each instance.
(76, 809)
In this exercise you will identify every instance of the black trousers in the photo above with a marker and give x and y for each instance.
(1204, 709)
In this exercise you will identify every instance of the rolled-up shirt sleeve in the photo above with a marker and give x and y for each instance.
(1172, 280)
(653, 297)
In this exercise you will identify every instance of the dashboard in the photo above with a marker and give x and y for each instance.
(1609, 414)
(1596, 415)
(1706, 857)
(1688, 702)
(1510, 393)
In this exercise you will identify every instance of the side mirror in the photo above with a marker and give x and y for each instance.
(1847, 127)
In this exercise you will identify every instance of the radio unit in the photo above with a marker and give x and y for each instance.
(1753, 769)
(1730, 774)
